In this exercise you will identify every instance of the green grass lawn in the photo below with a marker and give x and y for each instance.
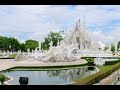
(95, 78)
(104, 67)
(7, 78)
(12, 56)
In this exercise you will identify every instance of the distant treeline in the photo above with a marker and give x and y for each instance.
(12, 44)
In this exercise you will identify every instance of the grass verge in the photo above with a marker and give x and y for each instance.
(31, 68)
(95, 78)
(12, 56)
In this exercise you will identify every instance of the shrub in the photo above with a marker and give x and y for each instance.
(90, 61)
(2, 78)
(95, 78)
(111, 62)
(87, 57)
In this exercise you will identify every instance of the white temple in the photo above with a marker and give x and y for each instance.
(76, 44)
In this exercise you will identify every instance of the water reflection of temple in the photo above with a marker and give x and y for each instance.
(71, 74)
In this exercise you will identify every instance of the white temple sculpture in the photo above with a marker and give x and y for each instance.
(74, 45)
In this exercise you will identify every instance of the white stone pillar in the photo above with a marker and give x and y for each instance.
(116, 48)
(39, 46)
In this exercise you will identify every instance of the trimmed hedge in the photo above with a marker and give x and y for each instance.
(87, 57)
(111, 62)
(2, 78)
(90, 61)
(95, 78)
(45, 67)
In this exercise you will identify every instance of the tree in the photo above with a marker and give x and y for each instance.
(22, 47)
(55, 37)
(31, 44)
(112, 48)
(2, 41)
(13, 44)
(2, 79)
(105, 48)
(118, 45)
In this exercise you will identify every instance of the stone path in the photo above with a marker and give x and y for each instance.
(111, 79)
(6, 64)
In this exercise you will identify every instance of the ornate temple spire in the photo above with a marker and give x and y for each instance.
(78, 24)
(84, 23)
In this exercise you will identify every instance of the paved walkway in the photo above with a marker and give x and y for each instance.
(8, 63)
(111, 79)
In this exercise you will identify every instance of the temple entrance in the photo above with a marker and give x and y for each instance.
(78, 41)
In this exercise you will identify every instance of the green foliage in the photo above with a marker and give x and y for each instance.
(14, 43)
(118, 45)
(10, 44)
(111, 62)
(31, 44)
(2, 78)
(52, 36)
(95, 78)
(47, 67)
(87, 57)
(22, 47)
(104, 67)
(12, 56)
(90, 60)
(105, 48)
(3, 43)
(112, 48)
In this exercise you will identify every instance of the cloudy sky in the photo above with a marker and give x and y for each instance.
(35, 21)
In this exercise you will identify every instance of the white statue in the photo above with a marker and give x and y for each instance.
(4, 53)
(51, 45)
(39, 46)
(28, 50)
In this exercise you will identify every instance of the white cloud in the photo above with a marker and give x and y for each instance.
(40, 19)
(100, 36)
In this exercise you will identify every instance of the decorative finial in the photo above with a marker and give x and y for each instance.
(84, 24)
(79, 22)
(76, 25)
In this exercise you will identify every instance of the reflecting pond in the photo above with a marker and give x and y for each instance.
(51, 77)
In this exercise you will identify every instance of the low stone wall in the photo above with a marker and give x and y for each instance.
(111, 79)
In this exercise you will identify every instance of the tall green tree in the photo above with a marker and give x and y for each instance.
(13, 44)
(10, 44)
(55, 37)
(2, 43)
(118, 45)
(31, 44)
(22, 47)
(112, 48)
